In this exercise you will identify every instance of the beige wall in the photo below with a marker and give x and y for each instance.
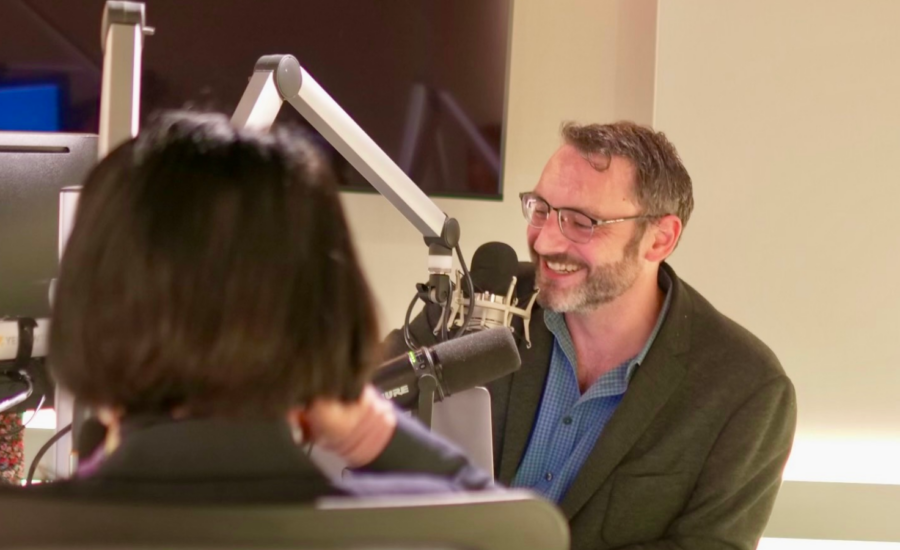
(570, 59)
(787, 116)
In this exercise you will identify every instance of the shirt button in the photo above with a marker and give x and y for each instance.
(549, 476)
(567, 420)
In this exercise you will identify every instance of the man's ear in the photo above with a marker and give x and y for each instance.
(665, 233)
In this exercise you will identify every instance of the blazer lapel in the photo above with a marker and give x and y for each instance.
(652, 385)
(525, 394)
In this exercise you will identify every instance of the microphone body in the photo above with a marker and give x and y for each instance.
(459, 364)
(12, 337)
(397, 379)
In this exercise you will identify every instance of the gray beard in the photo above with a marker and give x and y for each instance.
(602, 285)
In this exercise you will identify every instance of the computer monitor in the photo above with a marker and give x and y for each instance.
(34, 166)
(422, 78)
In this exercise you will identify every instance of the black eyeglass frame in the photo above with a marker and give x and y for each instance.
(595, 222)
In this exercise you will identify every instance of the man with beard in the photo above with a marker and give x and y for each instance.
(653, 420)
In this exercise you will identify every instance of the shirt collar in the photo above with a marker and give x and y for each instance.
(556, 323)
(665, 284)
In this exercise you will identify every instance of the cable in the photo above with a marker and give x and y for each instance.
(20, 376)
(445, 309)
(23, 377)
(445, 316)
(24, 425)
(407, 337)
(43, 450)
(468, 277)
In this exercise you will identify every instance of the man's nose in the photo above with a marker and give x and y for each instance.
(550, 240)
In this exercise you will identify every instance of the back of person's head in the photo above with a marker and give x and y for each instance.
(211, 270)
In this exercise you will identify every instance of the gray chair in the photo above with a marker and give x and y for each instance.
(474, 521)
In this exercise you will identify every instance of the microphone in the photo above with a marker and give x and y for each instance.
(23, 339)
(494, 267)
(455, 365)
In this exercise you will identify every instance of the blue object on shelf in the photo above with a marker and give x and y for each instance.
(30, 107)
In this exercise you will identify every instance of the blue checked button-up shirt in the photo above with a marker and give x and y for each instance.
(569, 423)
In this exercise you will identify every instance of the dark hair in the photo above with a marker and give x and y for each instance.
(662, 184)
(212, 269)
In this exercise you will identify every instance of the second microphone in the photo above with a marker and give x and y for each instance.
(459, 364)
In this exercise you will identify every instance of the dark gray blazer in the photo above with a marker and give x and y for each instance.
(693, 456)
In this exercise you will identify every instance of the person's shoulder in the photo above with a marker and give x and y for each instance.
(719, 342)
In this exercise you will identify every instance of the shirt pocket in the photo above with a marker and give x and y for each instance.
(641, 507)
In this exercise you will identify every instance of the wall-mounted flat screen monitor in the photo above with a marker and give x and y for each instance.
(425, 78)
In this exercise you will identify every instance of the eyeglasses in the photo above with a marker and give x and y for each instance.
(574, 225)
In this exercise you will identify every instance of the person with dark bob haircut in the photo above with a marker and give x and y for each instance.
(210, 308)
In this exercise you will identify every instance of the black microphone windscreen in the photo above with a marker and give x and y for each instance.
(477, 358)
(493, 267)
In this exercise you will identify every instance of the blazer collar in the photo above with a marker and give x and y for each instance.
(196, 449)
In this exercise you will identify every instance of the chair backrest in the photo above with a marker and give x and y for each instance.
(472, 521)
